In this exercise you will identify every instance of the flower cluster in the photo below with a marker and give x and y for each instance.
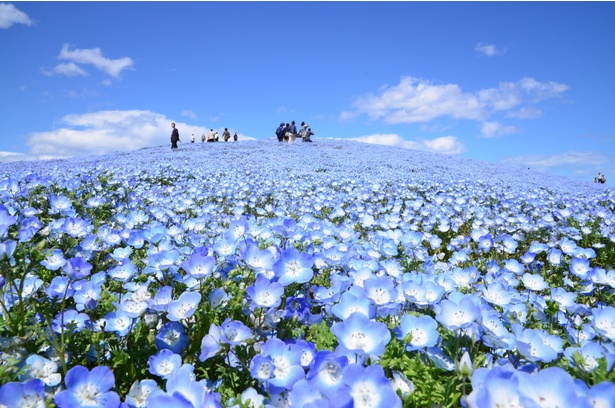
(264, 274)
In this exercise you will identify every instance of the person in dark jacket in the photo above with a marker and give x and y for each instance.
(279, 132)
(293, 132)
(174, 136)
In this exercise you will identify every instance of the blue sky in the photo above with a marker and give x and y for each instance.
(526, 83)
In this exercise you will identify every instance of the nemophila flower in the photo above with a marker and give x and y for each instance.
(70, 321)
(325, 374)
(537, 345)
(234, 332)
(54, 261)
(497, 294)
(401, 384)
(122, 272)
(265, 293)
(87, 294)
(422, 292)
(138, 393)
(199, 266)
(218, 298)
(28, 228)
(184, 307)
(118, 322)
(586, 357)
(568, 246)
(293, 266)
(77, 268)
(163, 259)
(551, 387)
(601, 395)
(604, 321)
(88, 389)
(42, 368)
(580, 267)
(495, 333)
(514, 266)
(261, 367)
(256, 258)
(565, 300)
(120, 254)
(380, 290)
(250, 398)
(27, 394)
(369, 388)
(135, 239)
(417, 332)
(75, 227)
(59, 288)
(7, 248)
(534, 282)
(286, 361)
(302, 395)
(172, 336)
(225, 247)
(361, 335)
(164, 363)
(457, 314)
(554, 256)
(161, 299)
(485, 243)
(498, 386)
(211, 343)
(297, 307)
(350, 303)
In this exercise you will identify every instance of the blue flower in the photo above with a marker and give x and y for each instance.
(54, 261)
(118, 322)
(456, 315)
(70, 321)
(604, 321)
(369, 388)
(77, 268)
(6, 220)
(88, 388)
(286, 361)
(164, 363)
(350, 303)
(262, 368)
(43, 369)
(28, 394)
(138, 393)
(537, 345)
(184, 306)
(172, 336)
(199, 266)
(362, 335)
(293, 266)
(211, 343)
(265, 293)
(234, 332)
(417, 332)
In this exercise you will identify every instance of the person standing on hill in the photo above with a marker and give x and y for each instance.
(293, 132)
(212, 136)
(192, 138)
(174, 136)
(226, 135)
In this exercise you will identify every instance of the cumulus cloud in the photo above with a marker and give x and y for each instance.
(445, 145)
(489, 50)
(417, 100)
(9, 15)
(106, 132)
(495, 129)
(89, 56)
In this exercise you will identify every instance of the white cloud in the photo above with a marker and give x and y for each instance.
(569, 159)
(445, 145)
(529, 112)
(495, 129)
(69, 69)
(94, 56)
(489, 50)
(106, 132)
(189, 114)
(416, 100)
(9, 15)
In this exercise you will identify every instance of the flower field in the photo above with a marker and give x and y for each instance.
(332, 273)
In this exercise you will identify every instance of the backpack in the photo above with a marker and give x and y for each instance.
(278, 130)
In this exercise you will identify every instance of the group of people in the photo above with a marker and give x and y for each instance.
(600, 178)
(211, 137)
(288, 132)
